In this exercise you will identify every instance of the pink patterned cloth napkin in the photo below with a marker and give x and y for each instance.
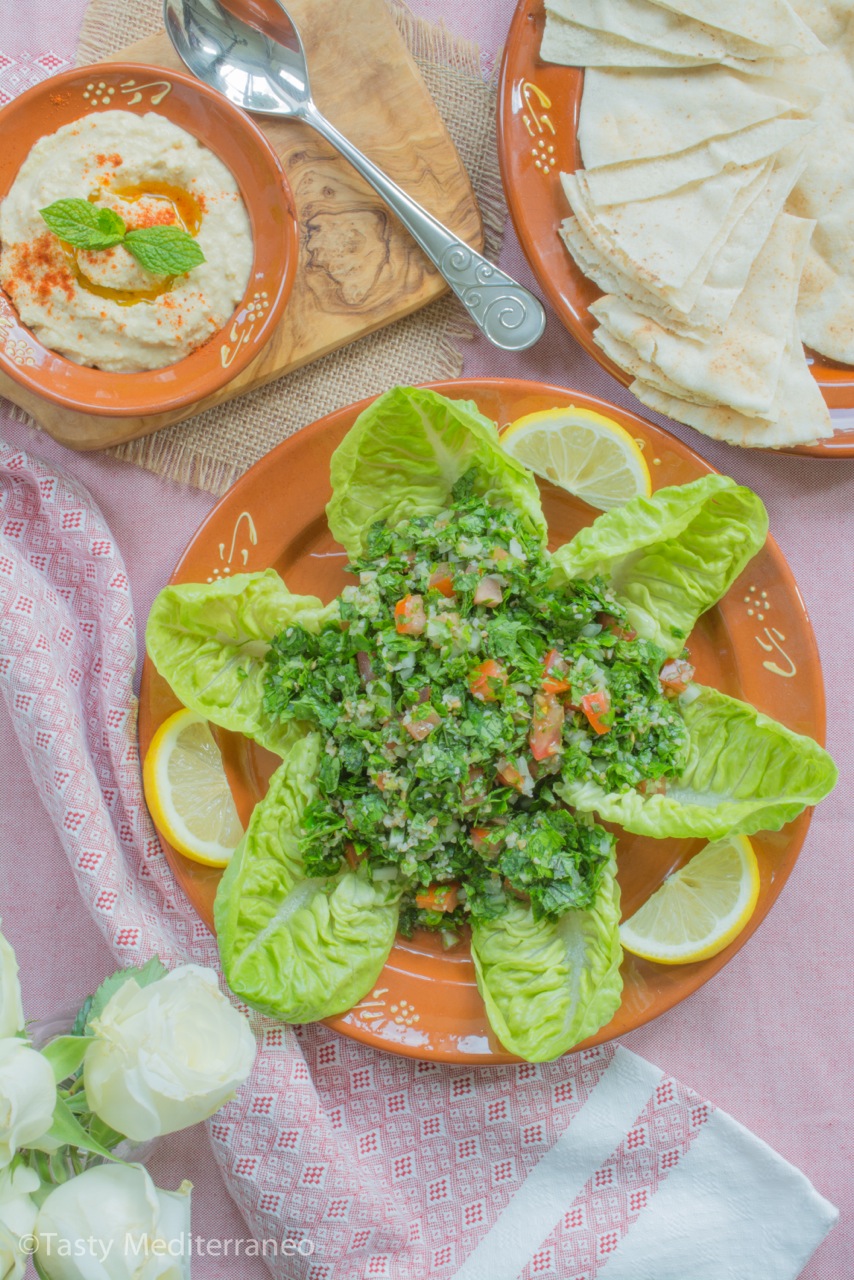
(596, 1166)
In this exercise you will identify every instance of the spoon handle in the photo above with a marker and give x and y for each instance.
(507, 313)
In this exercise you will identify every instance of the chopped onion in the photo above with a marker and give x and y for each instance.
(690, 695)
(384, 873)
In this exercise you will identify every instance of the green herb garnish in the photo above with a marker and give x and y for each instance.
(165, 251)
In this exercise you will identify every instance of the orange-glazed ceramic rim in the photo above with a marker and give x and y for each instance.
(266, 193)
(538, 108)
(274, 514)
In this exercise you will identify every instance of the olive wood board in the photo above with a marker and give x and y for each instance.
(358, 269)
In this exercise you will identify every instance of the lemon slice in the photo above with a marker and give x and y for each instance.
(187, 791)
(700, 908)
(582, 451)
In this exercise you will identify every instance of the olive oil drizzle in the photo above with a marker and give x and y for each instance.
(188, 215)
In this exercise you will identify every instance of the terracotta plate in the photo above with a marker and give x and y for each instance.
(757, 645)
(242, 147)
(538, 106)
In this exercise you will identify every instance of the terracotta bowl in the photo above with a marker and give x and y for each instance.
(241, 146)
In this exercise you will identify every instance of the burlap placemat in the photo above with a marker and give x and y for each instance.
(212, 450)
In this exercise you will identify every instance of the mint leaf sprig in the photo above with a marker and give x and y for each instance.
(165, 251)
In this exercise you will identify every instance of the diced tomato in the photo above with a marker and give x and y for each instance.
(510, 888)
(611, 624)
(554, 663)
(439, 897)
(652, 787)
(509, 774)
(675, 676)
(441, 580)
(353, 858)
(546, 732)
(409, 616)
(489, 591)
(487, 840)
(487, 680)
(596, 706)
(479, 837)
(422, 727)
(366, 670)
(555, 667)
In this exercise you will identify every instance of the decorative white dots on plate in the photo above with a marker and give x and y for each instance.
(757, 603)
(543, 153)
(100, 94)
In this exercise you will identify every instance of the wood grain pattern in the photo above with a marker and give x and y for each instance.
(358, 269)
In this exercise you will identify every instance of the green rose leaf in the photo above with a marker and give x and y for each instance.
(165, 251)
(69, 1132)
(65, 1055)
(95, 1005)
(82, 1020)
(83, 224)
(143, 976)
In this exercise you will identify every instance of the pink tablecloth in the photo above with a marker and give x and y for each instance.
(769, 1038)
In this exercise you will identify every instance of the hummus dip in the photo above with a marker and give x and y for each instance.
(101, 307)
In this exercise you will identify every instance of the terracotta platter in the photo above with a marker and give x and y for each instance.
(538, 107)
(757, 645)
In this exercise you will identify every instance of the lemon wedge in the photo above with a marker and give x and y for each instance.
(582, 451)
(700, 908)
(187, 791)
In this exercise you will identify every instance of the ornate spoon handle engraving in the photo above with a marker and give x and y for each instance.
(504, 311)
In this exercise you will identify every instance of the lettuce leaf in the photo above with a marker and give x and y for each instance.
(672, 556)
(297, 948)
(549, 984)
(210, 640)
(745, 773)
(403, 456)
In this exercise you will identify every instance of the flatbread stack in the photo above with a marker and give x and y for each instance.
(715, 207)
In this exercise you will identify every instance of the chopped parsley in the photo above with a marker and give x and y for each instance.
(456, 690)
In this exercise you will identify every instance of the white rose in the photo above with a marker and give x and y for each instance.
(167, 1055)
(113, 1223)
(17, 1219)
(27, 1097)
(11, 1009)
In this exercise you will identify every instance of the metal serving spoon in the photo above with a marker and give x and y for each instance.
(267, 73)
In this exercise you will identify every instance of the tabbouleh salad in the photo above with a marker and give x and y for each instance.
(455, 688)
